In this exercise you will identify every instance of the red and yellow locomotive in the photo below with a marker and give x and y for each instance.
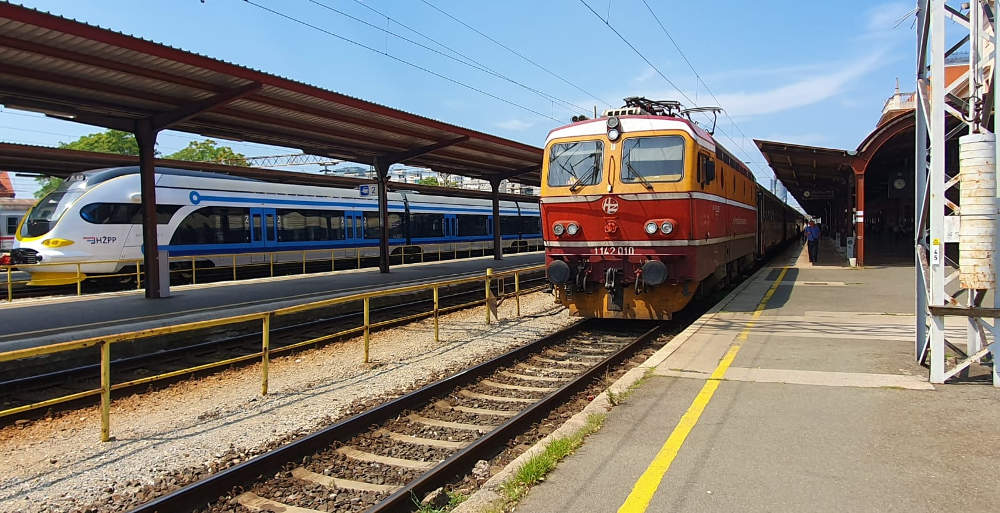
(642, 207)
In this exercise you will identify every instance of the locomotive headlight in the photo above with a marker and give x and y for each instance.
(558, 229)
(614, 128)
(651, 227)
(572, 229)
(56, 243)
(667, 227)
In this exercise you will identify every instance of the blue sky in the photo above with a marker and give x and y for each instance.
(803, 72)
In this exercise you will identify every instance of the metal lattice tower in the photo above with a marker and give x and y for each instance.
(956, 193)
(295, 159)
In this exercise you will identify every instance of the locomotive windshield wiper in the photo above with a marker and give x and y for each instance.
(568, 170)
(577, 183)
(591, 175)
(636, 174)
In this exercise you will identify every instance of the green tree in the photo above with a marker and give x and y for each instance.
(433, 180)
(108, 141)
(46, 184)
(124, 143)
(209, 151)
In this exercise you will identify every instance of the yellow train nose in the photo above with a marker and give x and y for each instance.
(51, 278)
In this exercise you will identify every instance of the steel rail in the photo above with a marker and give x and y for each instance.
(139, 359)
(487, 446)
(28, 380)
(210, 489)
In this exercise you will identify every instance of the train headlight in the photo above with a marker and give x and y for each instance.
(651, 227)
(558, 229)
(667, 227)
(56, 243)
(614, 128)
(572, 229)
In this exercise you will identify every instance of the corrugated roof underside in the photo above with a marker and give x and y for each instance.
(52, 67)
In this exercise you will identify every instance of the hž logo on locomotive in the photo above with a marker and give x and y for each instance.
(610, 206)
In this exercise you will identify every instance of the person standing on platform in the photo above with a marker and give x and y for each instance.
(812, 239)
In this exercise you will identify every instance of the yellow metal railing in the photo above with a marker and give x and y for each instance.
(186, 268)
(105, 342)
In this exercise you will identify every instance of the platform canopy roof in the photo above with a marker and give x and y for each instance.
(72, 70)
(62, 163)
(810, 173)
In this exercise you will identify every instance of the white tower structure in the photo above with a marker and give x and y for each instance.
(957, 241)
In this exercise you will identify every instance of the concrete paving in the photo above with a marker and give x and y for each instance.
(823, 409)
(37, 323)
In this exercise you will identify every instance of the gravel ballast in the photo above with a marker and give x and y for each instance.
(165, 438)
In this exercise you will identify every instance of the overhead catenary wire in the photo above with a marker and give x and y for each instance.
(657, 70)
(515, 52)
(391, 19)
(468, 61)
(400, 60)
(696, 74)
(637, 52)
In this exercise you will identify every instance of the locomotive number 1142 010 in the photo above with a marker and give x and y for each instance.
(614, 250)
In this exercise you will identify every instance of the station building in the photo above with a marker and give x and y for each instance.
(11, 211)
(864, 198)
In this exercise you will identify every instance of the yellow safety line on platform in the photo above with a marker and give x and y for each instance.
(642, 493)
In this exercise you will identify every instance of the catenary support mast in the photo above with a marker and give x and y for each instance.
(956, 224)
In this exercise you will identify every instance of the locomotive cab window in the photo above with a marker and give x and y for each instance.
(706, 169)
(653, 159)
(43, 216)
(575, 164)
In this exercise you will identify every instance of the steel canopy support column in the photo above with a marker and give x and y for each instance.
(497, 242)
(145, 135)
(920, 189)
(937, 180)
(382, 163)
(859, 216)
(996, 248)
(382, 176)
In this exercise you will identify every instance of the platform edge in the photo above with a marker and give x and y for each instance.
(489, 493)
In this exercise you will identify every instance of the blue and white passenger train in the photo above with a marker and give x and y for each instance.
(96, 217)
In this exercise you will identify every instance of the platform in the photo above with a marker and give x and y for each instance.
(61, 319)
(822, 409)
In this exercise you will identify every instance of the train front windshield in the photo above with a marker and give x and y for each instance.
(44, 215)
(653, 159)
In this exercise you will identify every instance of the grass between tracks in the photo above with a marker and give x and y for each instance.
(616, 398)
(454, 499)
(539, 465)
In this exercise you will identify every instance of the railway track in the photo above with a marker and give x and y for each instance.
(32, 388)
(379, 460)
